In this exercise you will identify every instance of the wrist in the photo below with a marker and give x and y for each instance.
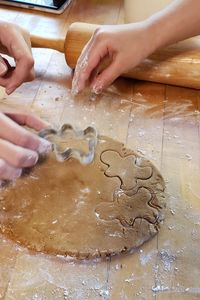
(152, 36)
(149, 40)
(160, 32)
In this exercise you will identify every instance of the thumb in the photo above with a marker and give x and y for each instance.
(3, 66)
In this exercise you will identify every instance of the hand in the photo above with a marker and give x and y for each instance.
(15, 42)
(124, 46)
(19, 148)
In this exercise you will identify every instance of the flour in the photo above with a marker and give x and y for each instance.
(160, 288)
(2, 93)
(145, 258)
(104, 294)
(80, 67)
(130, 279)
(174, 111)
(167, 258)
(177, 289)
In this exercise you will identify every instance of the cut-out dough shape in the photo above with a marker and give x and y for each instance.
(127, 209)
(73, 209)
(63, 143)
(125, 168)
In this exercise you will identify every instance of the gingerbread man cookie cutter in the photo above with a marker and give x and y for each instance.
(67, 132)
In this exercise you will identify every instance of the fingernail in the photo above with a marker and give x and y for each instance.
(75, 88)
(32, 159)
(97, 88)
(9, 91)
(3, 68)
(16, 174)
(44, 146)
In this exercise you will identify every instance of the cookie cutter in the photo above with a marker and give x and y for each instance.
(67, 131)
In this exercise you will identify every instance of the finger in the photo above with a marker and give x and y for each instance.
(7, 172)
(3, 66)
(95, 57)
(87, 62)
(18, 135)
(22, 73)
(16, 43)
(6, 80)
(75, 81)
(21, 52)
(86, 49)
(28, 119)
(17, 156)
(108, 75)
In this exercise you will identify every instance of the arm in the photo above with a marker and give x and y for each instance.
(177, 22)
(127, 45)
(15, 42)
(19, 148)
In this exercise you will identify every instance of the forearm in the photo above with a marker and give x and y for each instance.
(178, 21)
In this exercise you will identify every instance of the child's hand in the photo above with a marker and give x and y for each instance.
(15, 42)
(125, 46)
(19, 148)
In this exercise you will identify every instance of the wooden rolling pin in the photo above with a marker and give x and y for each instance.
(178, 64)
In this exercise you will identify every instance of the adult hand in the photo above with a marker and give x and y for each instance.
(124, 46)
(19, 148)
(15, 42)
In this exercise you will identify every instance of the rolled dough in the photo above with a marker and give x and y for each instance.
(105, 208)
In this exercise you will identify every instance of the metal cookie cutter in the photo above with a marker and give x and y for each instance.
(63, 141)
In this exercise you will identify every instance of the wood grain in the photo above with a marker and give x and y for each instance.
(160, 122)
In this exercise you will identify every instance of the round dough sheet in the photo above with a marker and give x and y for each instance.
(105, 208)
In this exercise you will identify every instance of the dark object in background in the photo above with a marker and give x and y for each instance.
(53, 6)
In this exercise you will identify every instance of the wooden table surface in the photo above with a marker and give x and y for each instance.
(160, 122)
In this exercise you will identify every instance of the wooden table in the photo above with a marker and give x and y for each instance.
(160, 122)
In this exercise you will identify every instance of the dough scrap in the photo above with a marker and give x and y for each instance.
(85, 210)
(125, 168)
(129, 208)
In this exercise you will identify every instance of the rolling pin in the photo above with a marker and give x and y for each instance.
(178, 64)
